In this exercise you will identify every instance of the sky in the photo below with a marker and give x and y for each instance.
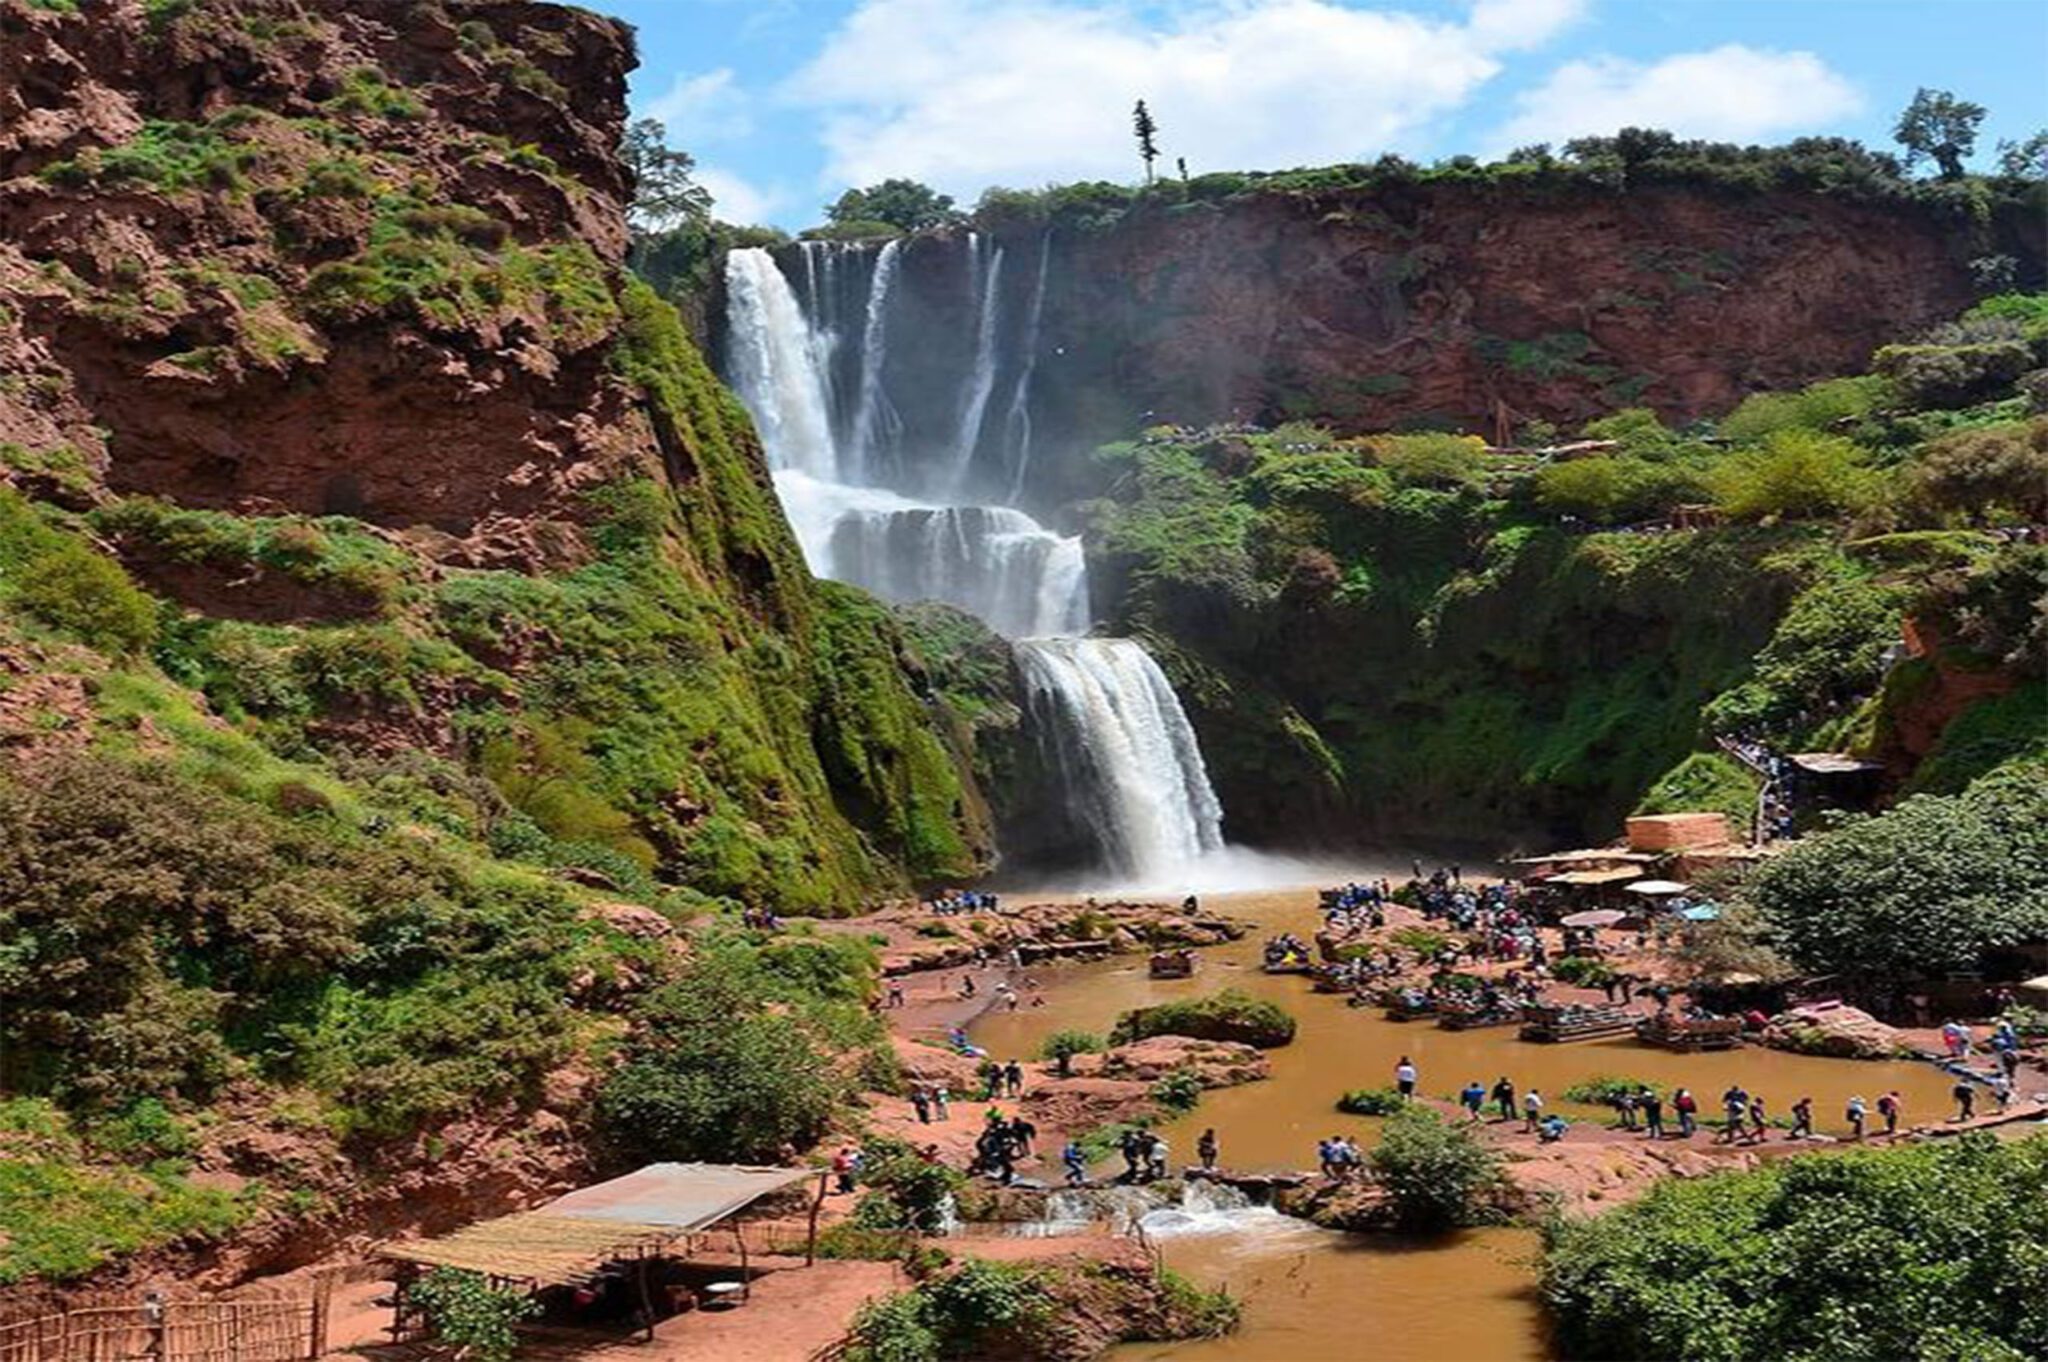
(785, 103)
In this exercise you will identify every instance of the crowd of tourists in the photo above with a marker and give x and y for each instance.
(954, 902)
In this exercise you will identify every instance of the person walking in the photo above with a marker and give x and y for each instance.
(1888, 1107)
(1013, 1076)
(1473, 1099)
(1757, 1124)
(1625, 1106)
(1855, 1114)
(1532, 1110)
(942, 1103)
(842, 1171)
(1653, 1113)
(1504, 1095)
(2001, 1092)
(1076, 1162)
(1802, 1119)
(1404, 1078)
(921, 1102)
(1734, 1106)
(1687, 1106)
(1965, 1093)
(1205, 1148)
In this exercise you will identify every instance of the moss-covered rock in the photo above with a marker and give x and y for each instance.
(1229, 1015)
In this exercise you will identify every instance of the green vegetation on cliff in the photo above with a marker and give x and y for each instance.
(1231, 1014)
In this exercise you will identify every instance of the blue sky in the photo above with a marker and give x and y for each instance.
(786, 102)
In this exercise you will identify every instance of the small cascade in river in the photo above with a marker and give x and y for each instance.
(855, 460)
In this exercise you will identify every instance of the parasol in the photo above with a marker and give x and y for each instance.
(1657, 888)
(1596, 917)
(1700, 912)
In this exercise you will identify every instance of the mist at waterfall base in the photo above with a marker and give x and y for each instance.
(896, 413)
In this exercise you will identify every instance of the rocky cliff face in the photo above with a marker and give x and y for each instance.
(1481, 305)
(361, 262)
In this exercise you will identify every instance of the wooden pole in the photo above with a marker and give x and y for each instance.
(746, 1273)
(817, 1205)
(646, 1301)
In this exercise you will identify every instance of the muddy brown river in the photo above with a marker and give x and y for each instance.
(1311, 1294)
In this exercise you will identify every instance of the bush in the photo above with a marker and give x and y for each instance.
(1061, 1047)
(904, 1191)
(1987, 475)
(1371, 1102)
(1614, 491)
(1797, 474)
(57, 578)
(1437, 1175)
(1930, 885)
(471, 1314)
(1931, 1251)
(1602, 1091)
(978, 1309)
(1228, 1015)
(1819, 407)
(1950, 376)
(1431, 460)
(1178, 1091)
(1706, 782)
(1582, 972)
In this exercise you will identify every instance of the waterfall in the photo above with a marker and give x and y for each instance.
(1105, 718)
(779, 365)
(982, 283)
(875, 421)
(1106, 715)
(1017, 425)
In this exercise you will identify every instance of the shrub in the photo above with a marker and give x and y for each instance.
(471, 1314)
(1371, 1102)
(1948, 376)
(1061, 1047)
(1989, 474)
(1706, 782)
(1436, 1174)
(978, 1309)
(1933, 1251)
(1178, 1091)
(1424, 941)
(1430, 460)
(1582, 971)
(1615, 491)
(1818, 407)
(1797, 474)
(58, 579)
(1602, 1091)
(1228, 1015)
(904, 1191)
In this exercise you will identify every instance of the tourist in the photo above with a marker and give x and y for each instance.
(1077, 1164)
(1551, 1129)
(942, 1101)
(1756, 1120)
(1504, 1095)
(991, 1075)
(1653, 1113)
(1132, 1147)
(1625, 1107)
(1965, 1093)
(895, 993)
(1013, 1078)
(2001, 1092)
(1155, 1156)
(843, 1168)
(1532, 1109)
(1404, 1078)
(1205, 1148)
(1855, 1113)
(967, 985)
(1688, 1108)
(1888, 1107)
(1326, 1156)
(1473, 1099)
(1956, 1037)
(1734, 1106)
(1022, 1133)
(1802, 1119)
(921, 1101)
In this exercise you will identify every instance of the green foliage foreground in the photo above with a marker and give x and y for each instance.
(1937, 1253)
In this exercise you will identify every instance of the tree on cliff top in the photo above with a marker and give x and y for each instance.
(665, 195)
(1147, 131)
(904, 204)
(1939, 126)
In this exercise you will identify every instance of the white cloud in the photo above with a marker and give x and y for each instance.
(736, 200)
(966, 93)
(1728, 94)
(703, 108)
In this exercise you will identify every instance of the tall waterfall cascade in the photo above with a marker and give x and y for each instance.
(899, 445)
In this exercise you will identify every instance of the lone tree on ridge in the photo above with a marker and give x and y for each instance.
(1147, 132)
(1941, 127)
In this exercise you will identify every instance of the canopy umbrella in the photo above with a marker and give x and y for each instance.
(1595, 917)
(1700, 912)
(1657, 888)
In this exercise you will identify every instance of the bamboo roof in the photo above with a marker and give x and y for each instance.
(573, 1236)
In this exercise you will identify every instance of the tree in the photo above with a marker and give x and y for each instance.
(903, 204)
(1941, 127)
(1932, 1252)
(472, 1314)
(1928, 886)
(2026, 159)
(664, 194)
(1437, 1174)
(1061, 1046)
(1147, 132)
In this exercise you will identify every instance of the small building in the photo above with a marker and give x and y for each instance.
(623, 1252)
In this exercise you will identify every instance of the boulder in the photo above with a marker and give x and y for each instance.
(1836, 1030)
